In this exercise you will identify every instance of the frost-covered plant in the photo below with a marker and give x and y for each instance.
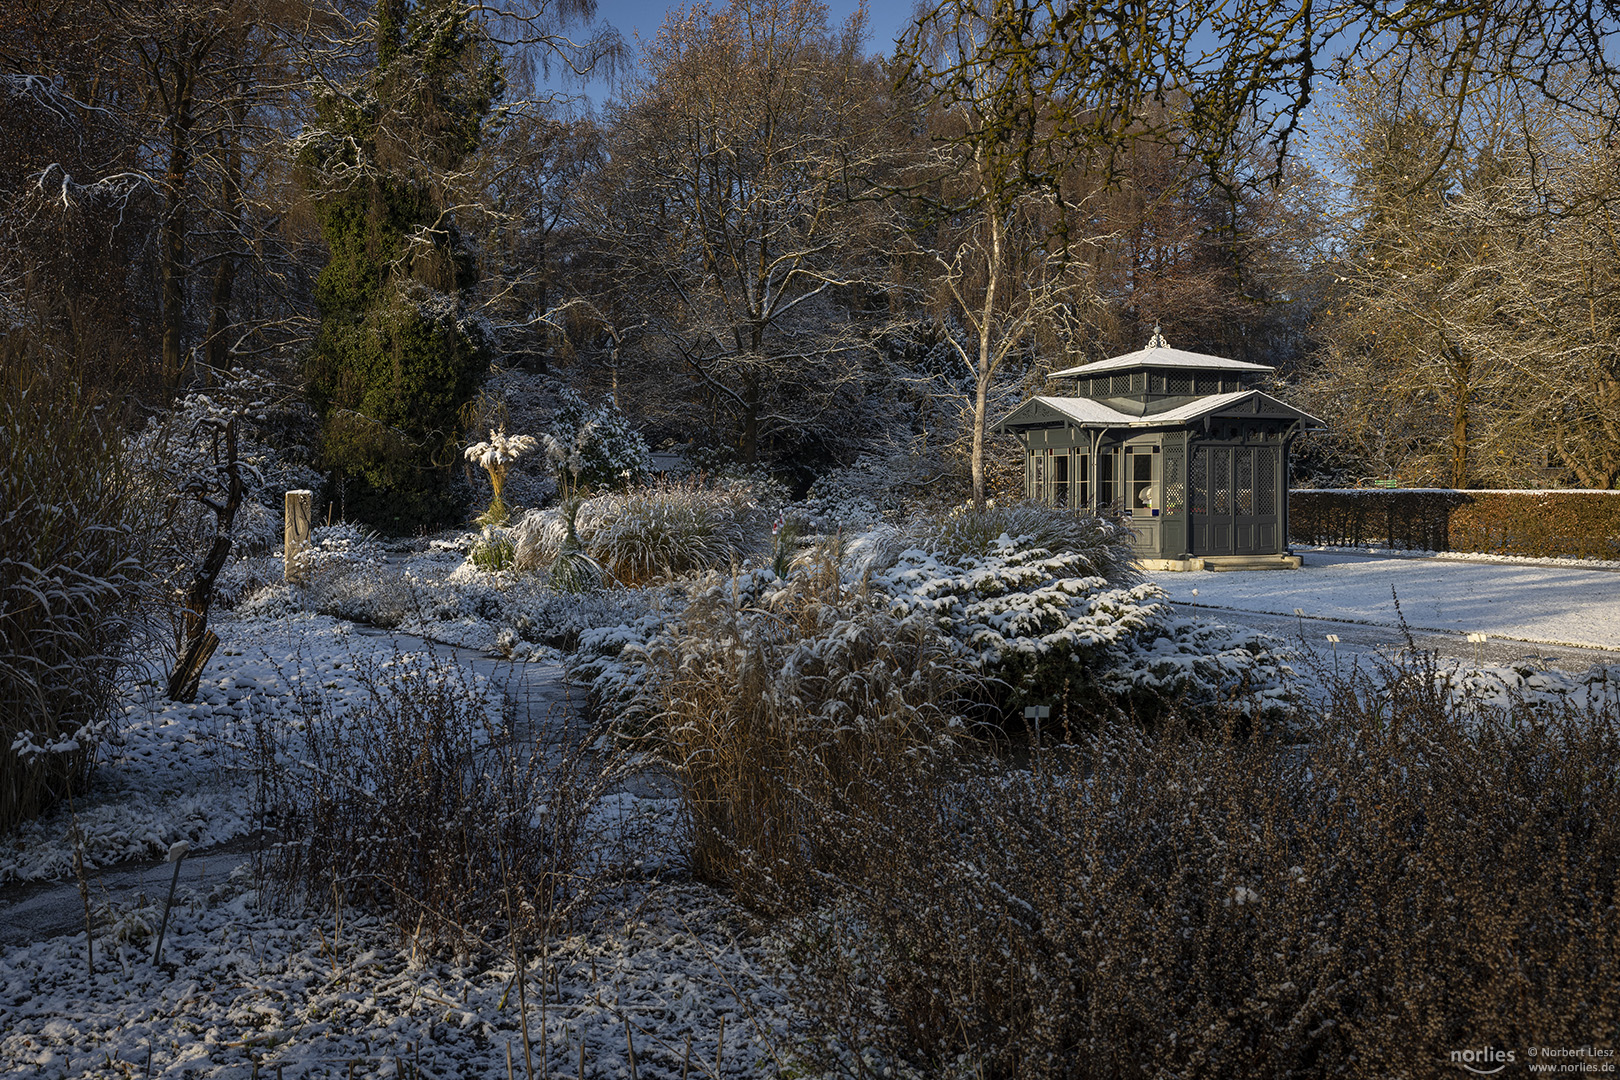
(70, 576)
(766, 687)
(346, 574)
(1044, 624)
(594, 448)
(1103, 545)
(495, 456)
(657, 531)
(550, 617)
(671, 528)
(493, 551)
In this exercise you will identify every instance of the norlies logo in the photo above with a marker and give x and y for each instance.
(1487, 1061)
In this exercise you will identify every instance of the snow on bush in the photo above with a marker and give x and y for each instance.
(1042, 625)
(660, 530)
(345, 573)
(594, 447)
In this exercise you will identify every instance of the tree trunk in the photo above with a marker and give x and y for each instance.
(198, 642)
(1461, 395)
(172, 233)
(219, 352)
(986, 368)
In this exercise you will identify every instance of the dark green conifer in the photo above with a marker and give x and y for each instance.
(397, 355)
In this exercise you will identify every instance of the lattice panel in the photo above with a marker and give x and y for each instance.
(1198, 476)
(1265, 483)
(1175, 488)
(1220, 483)
(1208, 385)
(1245, 481)
(1180, 384)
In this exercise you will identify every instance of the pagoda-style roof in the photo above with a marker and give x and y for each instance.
(1162, 356)
(1040, 412)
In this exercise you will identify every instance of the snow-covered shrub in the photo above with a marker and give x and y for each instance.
(345, 573)
(1041, 627)
(594, 447)
(661, 530)
(70, 572)
(1053, 616)
(1103, 545)
(837, 513)
(558, 619)
(877, 487)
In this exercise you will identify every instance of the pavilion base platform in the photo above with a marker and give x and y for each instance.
(1224, 562)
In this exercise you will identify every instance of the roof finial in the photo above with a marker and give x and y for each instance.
(1157, 340)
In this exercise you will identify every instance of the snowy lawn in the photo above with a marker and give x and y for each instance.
(1555, 602)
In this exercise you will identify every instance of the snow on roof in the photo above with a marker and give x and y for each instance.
(1088, 413)
(1084, 410)
(1161, 357)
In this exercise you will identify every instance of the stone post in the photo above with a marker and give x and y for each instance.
(300, 506)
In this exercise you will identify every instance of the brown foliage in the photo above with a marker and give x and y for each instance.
(1551, 524)
(1420, 877)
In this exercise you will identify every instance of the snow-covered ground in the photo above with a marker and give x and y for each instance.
(1546, 602)
(659, 961)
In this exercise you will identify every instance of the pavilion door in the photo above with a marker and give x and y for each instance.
(1213, 524)
(1235, 500)
(1255, 475)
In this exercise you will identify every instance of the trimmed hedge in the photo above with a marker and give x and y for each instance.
(1551, 524)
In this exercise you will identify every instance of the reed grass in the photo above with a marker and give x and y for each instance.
(70, 573)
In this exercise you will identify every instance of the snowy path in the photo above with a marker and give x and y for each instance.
(1536, 612)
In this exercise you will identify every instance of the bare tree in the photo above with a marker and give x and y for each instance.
(1472, 331)
(727, 210)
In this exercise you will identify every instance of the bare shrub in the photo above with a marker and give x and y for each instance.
(425, 803)
(1422, 877)
(69, 574)
(770, 689)
(344, 573)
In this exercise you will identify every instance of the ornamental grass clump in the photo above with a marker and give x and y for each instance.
(775, 695)
(70, 572)
(649, 533)
(496, 455)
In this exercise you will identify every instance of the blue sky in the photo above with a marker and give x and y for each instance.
(644, 17)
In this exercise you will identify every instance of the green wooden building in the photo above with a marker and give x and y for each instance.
(1181, 443)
